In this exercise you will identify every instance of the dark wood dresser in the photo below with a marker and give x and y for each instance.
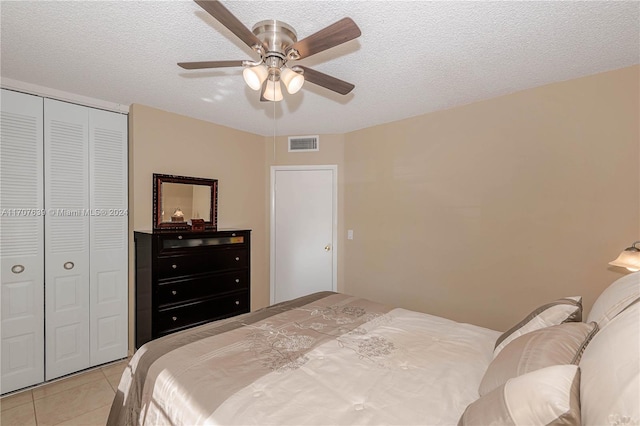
(184, 279)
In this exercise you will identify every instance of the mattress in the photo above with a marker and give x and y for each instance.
(327, 358)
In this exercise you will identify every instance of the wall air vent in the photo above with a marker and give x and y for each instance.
(304, 143)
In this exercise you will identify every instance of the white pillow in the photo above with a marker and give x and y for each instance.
(560, 311)
(620, 294)
(549, 396)
(610, 385)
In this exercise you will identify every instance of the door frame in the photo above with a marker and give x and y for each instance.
(272, 219)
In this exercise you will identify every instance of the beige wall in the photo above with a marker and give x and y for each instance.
(167, 143)
(481, 212)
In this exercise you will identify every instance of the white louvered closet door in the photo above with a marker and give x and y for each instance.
(21, 241)
(108, 225)
(66, 142)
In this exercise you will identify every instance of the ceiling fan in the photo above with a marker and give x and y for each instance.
(277, 43)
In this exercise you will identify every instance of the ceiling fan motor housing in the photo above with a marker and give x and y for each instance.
(276, 35)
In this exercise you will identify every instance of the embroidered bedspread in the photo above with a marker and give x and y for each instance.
(324, 359)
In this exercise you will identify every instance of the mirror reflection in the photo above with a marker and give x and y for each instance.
(182, 202)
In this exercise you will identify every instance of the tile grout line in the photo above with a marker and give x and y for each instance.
(83, 373)
(33, 404)
(82, 413)
(60, 379)
(32, 399)
(107, 379)
(35, 413)
(103, 377)
(18, 405)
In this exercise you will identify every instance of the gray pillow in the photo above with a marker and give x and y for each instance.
(560, 344)
(568, 309)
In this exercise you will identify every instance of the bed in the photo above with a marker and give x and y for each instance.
(334, 359)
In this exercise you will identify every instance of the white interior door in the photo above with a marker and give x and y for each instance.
(21, 241)
(66, 145)
(303, 230)
(108, 224)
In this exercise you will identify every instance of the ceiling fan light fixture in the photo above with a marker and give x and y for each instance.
(277, 42)
(273, 91)
(292, 80)
(255, 76)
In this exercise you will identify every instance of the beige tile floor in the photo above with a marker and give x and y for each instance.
(81, 399)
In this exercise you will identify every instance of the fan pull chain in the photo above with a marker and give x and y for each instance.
(274, 132)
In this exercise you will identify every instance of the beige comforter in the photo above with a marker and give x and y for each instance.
(323, 359)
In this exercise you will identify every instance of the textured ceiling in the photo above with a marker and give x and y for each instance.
(412, 58)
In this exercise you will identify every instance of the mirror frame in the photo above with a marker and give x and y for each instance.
(159, 179)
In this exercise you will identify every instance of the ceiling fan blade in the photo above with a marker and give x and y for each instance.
(209, 64)
(333, 35)
(233, 24)
(326, 81)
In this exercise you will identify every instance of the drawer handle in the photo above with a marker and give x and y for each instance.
(17, 269)
(179, 237)
(174, 266)
(174, 292)
(237, 280)
(68, 265)
(237, 258)
(237, 302)
(174, 318)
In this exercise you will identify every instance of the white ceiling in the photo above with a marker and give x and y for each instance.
(413, 57)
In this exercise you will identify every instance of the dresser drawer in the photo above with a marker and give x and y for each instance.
(202, 262)
(168, 244)
(180, 291)
(168, 320)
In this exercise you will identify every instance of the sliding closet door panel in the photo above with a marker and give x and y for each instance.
(66, 143)
(21, 241)
(109, 244)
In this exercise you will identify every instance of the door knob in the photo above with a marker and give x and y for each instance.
(327, 247)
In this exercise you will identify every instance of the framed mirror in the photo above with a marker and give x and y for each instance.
(177, 200)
